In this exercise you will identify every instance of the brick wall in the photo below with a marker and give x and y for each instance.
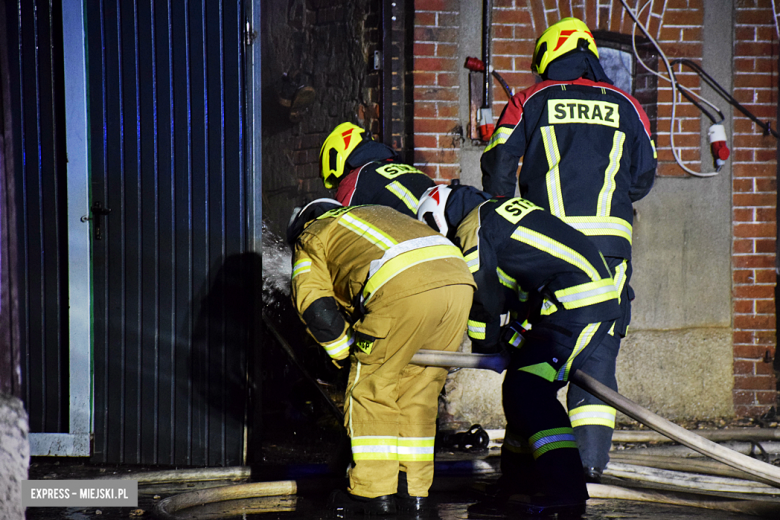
(754, 197)
(437, 128)
(325, 45)
(677, 25)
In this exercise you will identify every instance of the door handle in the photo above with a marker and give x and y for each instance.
(97, 211)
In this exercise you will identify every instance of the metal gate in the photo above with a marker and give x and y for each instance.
(172, 275)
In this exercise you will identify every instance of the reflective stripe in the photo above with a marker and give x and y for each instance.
(543, 370)
(406, 196)
(336, 348)
(375, 447)
(593, 414)
(476, 329)
(350, 402)
(511, 283)
(553, 439)
(554, 194)
(405, 255)
(367, 231)
(556, 249)
(548, 308)
(586, 294)
(619, 276)
(601, 226)
(582, 341)
(300, 267)
(604, 206)
(415, 448)
(516, 340)
(500, 136)
(472, 260)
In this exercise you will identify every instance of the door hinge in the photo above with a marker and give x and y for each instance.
(250, 35)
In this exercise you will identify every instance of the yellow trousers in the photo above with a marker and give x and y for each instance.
(391, 406)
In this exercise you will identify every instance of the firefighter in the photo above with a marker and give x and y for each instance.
(365, 171)
(587, 156)
(376, 286)
(533, 266)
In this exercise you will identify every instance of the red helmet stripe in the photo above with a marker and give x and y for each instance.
(347, 138)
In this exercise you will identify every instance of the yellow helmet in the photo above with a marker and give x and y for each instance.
(559, 39)
(335, 150)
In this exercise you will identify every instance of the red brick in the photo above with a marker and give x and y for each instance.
(435, 94)
(435, 5)
(743, 275)
(448, 110)
(424, 79)
(765, 246)
(449, 19)
(749, 261)
(435, 34)
(764, 185)
(745, 33)
(430, 171)
(754, 322)
(424, 49)
(753, 199)
(766, 398)
(750, 411)
(755, 81)
(669, 170)
(744, 368)
(739, 215)
(752, 16)
(743, 398)
(742, 185)
(754, 170)
(765, 276)
(766, 155)
(754, 383)
(765, 307)
(743, 306)
(422, 18)
(433, 126)
(754, 291)
(447, 50)
(764, 64)
(449, 172)
(425, 141)
(503, 32)
(433, 64)
(742, 155)
(513, 17)
(447, 156)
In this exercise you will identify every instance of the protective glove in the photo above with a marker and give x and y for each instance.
(512, 335)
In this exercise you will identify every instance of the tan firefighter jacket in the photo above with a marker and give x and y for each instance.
(354, 259)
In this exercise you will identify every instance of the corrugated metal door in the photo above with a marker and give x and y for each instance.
(172, 275)
(37, 106)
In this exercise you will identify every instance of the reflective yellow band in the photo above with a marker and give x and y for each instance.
(375, 448)
(367, 231)
(583, 341)
(300, 267)
(619, 275)
(543, 370)
(401, 263)
(340, 348)
(553, 439)
(586, 294)
(472, 260)
(592, 414)
(511, 283)
(601, 226)
(554, 193)
(604, 206)
(476, 329)
(548, 308)
(500, 136)
(556, 249)
(406, 196)
(416, 448)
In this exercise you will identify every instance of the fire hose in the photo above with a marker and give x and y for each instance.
(497, 363)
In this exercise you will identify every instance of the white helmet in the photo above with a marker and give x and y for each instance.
(431, 208)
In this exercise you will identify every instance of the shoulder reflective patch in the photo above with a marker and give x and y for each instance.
(393, 170)
(368, 231)
(406, 196)
(515, 209)
(300, 267)
(583, 111)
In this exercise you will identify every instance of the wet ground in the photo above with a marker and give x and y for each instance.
(453, 492)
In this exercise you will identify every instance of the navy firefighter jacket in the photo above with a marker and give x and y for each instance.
(385, 182)
(588, 154)
(519, 253)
